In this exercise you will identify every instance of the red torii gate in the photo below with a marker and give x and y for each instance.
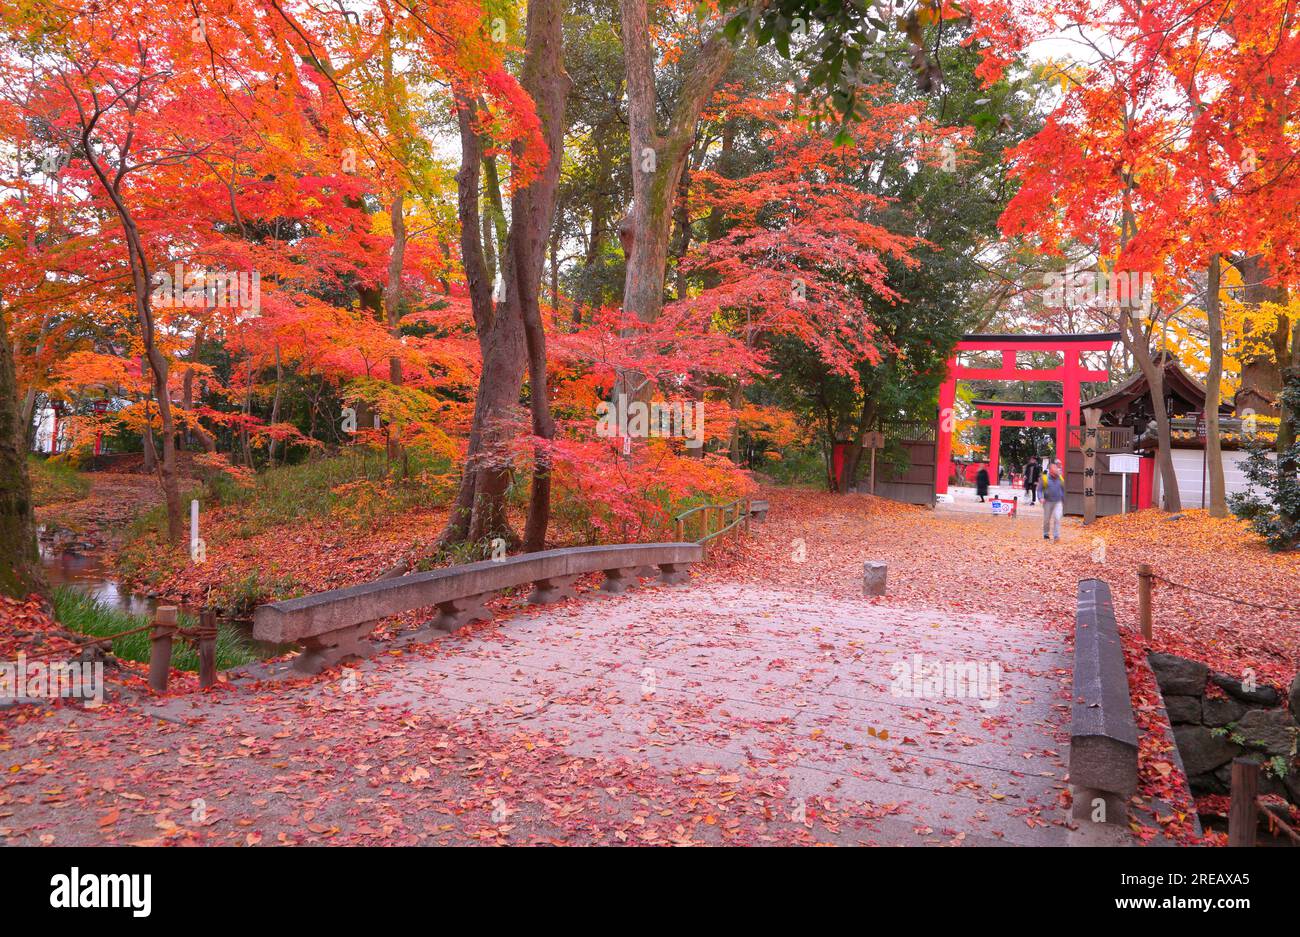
(997, 421)
(1071, 374)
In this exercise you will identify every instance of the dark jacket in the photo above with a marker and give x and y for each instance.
(982, 482)
(1032, 471)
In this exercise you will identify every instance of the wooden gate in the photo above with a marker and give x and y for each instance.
(917, 440)
(1112, 440)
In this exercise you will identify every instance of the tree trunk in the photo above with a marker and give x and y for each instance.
(1138, 345)
(547, 83)
(25, 417)
(597, 231)
(271, 445)
(658, 160)
(192, 425)
(1213, 376)
(20, 564)
(478, 514)
(144, 313)
(1261, 374)
(248, 413)
(713, 223)
(149, 455)
(495, 212)
(393, 311)
(682, 219)
(555, 271)
(853, 454)
(187, 404)
(737, 400)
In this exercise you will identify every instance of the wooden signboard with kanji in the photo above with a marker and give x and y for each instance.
(1092, 422)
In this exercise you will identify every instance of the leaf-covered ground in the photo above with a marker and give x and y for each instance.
(959, 560)
(339, 758)
(95, 516)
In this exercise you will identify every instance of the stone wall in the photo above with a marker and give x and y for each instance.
(1216, 718)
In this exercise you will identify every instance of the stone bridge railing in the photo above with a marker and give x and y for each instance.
(333, 625)
(1103, 733)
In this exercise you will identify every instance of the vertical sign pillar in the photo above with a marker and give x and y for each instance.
(1089, 433)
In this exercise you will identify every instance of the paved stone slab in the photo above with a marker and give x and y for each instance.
(792, 692)
(782, 683)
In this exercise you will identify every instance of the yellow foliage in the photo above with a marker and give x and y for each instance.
(1247, 334)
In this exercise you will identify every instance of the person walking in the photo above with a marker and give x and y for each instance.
(982, 482)
(1031, 480)
(1051, 490)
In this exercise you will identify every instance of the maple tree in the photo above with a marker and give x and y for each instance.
(796, 256)
(853, 263)
(265, 182)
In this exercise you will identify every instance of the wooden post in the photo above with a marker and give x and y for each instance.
(1144, 598)
(160, 650)
(874, 440)
(1243, 814)
(207, 648)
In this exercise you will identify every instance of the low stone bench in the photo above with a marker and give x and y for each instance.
(1103, 734)
(333, 625)
(758, 510)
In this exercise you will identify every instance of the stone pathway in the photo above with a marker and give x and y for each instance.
(1028, 520)
(787, 687)
(766, 703)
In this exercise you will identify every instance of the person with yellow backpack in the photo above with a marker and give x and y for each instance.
(1051, 491)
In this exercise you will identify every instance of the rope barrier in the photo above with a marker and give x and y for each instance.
(189, 634)
(164, 629)
(1225, 598)
(100, 640)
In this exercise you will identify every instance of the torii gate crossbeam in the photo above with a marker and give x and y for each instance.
(997, 421)
(1071, 374)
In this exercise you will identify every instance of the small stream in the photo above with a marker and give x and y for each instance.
(85, 573)
(80, 566)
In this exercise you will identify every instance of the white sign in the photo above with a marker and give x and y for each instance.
(1124, 464)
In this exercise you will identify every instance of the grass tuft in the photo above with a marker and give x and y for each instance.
(86, 615)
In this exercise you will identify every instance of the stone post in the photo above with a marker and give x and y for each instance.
(874, 573)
